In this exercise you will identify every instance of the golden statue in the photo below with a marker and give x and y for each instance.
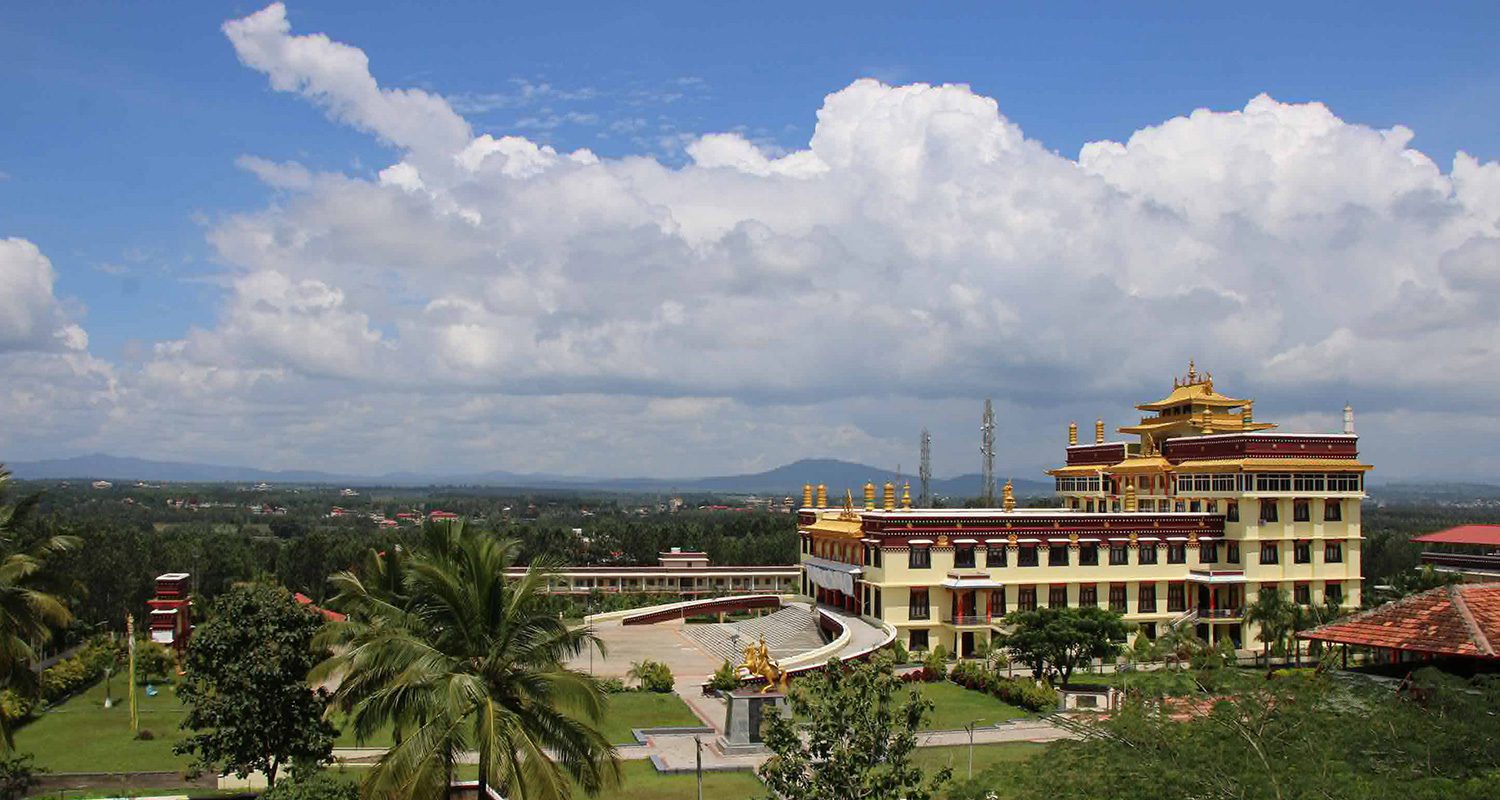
(759, 663)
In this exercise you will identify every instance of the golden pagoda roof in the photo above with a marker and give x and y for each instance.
(1222, 423)
(1193, 389)
(837, 525)
(1144, 464)
(1077, 469)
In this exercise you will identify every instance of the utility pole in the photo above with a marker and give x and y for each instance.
(987, 450)
(970, 728)
(924, 473)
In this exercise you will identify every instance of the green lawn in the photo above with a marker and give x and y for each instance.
(628, 710)
(83, 736)
(985, 756)
(641, 781)
(953, 707)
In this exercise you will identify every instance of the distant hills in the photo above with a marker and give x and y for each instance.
(787, 479)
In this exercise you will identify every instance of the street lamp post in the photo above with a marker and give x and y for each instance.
(970, 728)
(698, 746)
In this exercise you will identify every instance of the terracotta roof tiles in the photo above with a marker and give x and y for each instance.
(1458, 620)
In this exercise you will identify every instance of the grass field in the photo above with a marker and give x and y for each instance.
(629, 710)
(82, 735)
(954, 707)
(985, 756)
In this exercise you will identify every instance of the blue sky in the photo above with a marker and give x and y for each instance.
(123, 123)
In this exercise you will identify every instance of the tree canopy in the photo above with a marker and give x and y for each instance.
(246, 689)
(860, 729)
(1055, 641)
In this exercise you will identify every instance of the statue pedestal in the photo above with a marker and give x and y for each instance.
(747, 708)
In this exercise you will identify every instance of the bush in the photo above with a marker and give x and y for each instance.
(154, 662)
(652, 676)
(145, 735)
(316, 787)
(1018, 692)
(725, 679)
(898, 649)
(17, 776)
(612, 685)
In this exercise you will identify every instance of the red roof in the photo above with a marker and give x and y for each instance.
(1464, 534)
(442, 515)
(1457, 620)
(307, 601)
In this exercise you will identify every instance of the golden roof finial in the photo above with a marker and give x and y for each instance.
(1130, 501)
(1099, 431)
(1072, 433)
(822, 495)
(807, 495)
(889, 498)
(906, 495)
(848, 512)
(1192, 376)
(869, 496)
(1009, 496)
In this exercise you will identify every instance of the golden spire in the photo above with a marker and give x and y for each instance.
(1130, 503)
(1192, 376)
(1099, 431)
(822, 495)
(1247, 414)
(1072, 433)
(906, 495)
(848, 512)
(890, 496)
(1009, 496)
(869, 496)
(807, 495)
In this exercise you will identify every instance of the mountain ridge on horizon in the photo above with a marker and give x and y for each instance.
(837, 474)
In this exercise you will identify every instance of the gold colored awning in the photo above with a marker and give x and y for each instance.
(1085, 470)
(1132, 465)
(1267, 464)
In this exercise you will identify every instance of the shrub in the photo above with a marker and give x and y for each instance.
(1018, 692)
(154, 662)
(935, 665)
(17, 776)
(612, 685)
(145, 735)
(652, 676)
(898, 649)
(725, 679)
(316, 787)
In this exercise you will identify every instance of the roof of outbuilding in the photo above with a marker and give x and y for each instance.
(1457, 620)
(1464, 534)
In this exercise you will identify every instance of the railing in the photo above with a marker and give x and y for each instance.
(970, 619)
(1189, 617)
(1221, 613)
(1474, 561)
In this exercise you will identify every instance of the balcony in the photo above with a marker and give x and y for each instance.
(1462, 562)
(970, 620)
(1221, 613)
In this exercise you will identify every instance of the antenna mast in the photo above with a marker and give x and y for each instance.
(925, 472)
(987, 450)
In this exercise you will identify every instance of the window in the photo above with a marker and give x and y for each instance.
(1027, 556)
(1148, 630)
(918, 640)
(1333, 511)
(1333, 552)
(918, 607)
(1232, 552)
(1145, 598)
(1089, 505)
(1088, 555)
(1146, 554)
(1026, 599)
(1119, 555)
(1302, 552)
(1057, 597)
(1088, 595)
(805, 546)
(866, 607)
(1212, 506)
(997, 603)
(919, 558)
(1117, 598)
(963, 558)
(1268, 553)
(1333, 593)
(1195, 506)
(1208, 553)
(1057, 555)
(1301, 511)
(1179, 507)
(1268, 511)
(1273, 482)
(1176, 597)
(1231, 511)
(1176, 553)
(879, 607)
(994, 555)
(876, 551)
(1344, 482)
(1302, 594)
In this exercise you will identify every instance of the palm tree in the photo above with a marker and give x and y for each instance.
(1272, 613)
(1179, 644)
(465, 659)
(29, 609)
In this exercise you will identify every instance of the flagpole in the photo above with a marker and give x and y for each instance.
(135, 718)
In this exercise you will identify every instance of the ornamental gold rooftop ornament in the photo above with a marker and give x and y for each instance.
(1009, 495)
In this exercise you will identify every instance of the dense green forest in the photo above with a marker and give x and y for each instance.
(132, 534)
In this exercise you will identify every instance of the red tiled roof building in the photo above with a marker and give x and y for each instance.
(1462, 620)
